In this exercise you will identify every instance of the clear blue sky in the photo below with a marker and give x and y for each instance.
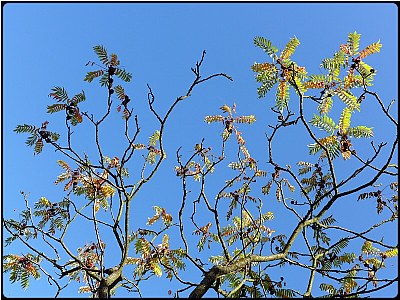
(47, 45)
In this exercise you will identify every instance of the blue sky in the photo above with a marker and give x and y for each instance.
(48, 44)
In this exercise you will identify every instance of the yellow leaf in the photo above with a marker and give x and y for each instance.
(45, 201)
(156, 269)
(226, 108)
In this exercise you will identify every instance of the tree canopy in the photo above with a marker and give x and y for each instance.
(243, 222)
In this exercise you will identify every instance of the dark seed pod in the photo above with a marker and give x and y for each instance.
(126, 100)
(70, 110)
(111, 70)
(44, 134)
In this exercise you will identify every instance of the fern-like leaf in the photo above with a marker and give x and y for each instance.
(54, 136)
(78, 98)
(353, 41)
(360, 132)
(125, 76)
(349, 99)
(154, 138)
(330, 143)
(268, 80)
(101, 53)
(38, 146)
(325, 106)
(284, 293)
(211, 119)
(290, 48)
(282, 95)
(92, 75)
(59, 94)
(25, 128)
(114, 60)
(120, 92)
(324, 123)
(31, 140)
(56, 108)
(328, 221)
(246, 119)
(366, 70)
(317, 81)
(391, 252)
(265, 45)
(328, 288)
(104, 79)
(371, 49)
(339, 246)
(344, 121)
(256, 67)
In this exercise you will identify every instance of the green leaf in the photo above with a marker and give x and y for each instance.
(328, 288)
(366, 71)
(334, 64)
(101, 53)
(268, 80)
(324, 123)
(38, 146)
(344, 121)
(290, 48)
(56, 108)
(266, 188)
(349, 99)
(120, 92)
(154, 138)
(93, 74)
(284, 293)
(54, 136)
(125, 76)
(341, 244)
(78, 98)
(59, 94)
(353, 40)
(328, 221)
(25, 128)
(360, 132)
(265, 44)
(104, 79)
(31, 140)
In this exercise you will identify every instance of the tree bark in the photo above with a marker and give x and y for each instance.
(103, 290)
(106, 284)
(206, 283)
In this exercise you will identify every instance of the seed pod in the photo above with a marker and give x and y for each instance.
(111, 70)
